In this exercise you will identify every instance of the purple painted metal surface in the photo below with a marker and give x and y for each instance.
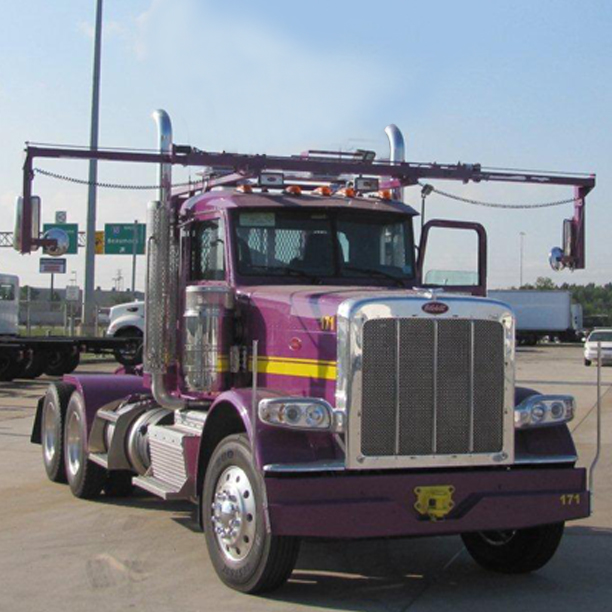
(363, 506)
(100, 389)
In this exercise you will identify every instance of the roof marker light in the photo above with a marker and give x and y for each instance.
(347, 192)
(244, 189)
(385, 194)
(294, 190)
(323, 191)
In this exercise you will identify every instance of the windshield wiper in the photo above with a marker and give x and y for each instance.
(376, 272)
(298, 272)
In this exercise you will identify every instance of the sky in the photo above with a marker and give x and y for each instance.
(508, 83)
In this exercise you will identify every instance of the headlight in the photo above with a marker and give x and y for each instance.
(544, 411)
(299, 413)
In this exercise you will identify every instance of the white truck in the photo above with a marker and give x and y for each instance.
(128, 321)
(543, 313)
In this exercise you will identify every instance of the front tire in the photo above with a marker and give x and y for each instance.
(85, 477)
(245, 556)
(518, 551)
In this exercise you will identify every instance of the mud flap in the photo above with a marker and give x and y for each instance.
(36, 437)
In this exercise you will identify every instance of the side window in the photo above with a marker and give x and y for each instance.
(208, 251)
(7, 292)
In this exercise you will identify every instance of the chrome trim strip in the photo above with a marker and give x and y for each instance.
(535, 460)
(471, 398)
(434, 444)
(315, 466)
(397, 387)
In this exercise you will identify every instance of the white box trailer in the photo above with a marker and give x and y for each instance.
(542, 313)
(9, 304)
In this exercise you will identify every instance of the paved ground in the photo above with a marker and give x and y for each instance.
(61, 554)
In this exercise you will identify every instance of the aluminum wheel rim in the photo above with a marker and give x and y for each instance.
(498, 538)
(233, 514)
(74, 444)
(50, 421)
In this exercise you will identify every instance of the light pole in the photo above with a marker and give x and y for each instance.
(90, 246)
(522, 238)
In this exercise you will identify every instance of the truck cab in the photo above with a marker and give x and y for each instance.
(301, 379)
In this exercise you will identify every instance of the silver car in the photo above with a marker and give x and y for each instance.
(598, 336)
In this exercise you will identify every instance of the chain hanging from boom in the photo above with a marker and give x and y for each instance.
(452, 196)
(71, 179)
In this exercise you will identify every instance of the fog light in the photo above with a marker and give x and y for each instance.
(557, 410)
(538, 413)
(291, 414)
(315, 415)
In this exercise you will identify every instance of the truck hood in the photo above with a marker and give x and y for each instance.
(310, 302)
(132, 308)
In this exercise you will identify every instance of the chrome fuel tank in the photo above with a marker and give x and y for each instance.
(207, 337)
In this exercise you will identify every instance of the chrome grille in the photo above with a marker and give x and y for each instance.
(432, 387)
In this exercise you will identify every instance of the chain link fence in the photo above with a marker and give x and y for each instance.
(57, 317)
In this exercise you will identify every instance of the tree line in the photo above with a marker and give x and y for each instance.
(596, 300)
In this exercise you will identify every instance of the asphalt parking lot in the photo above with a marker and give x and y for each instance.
(60, 553)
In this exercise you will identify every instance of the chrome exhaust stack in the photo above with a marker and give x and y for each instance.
(162, 277)
(397, 153)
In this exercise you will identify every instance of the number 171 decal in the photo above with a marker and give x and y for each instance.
(570, 499)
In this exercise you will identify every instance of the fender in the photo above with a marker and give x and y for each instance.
(232, 412)
(100, 389)
(125, 321)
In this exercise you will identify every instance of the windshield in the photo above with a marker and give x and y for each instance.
(322, 244)
(600, 336)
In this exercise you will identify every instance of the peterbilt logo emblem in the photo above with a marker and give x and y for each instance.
(435, 308)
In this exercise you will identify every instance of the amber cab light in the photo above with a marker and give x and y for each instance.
(384, 194)
(244, 189)
(294, 190)
(347, 192)
(323, 191)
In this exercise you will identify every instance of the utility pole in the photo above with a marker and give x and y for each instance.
(90, 246)
(522, 236)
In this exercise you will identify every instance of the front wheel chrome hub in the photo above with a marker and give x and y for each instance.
(233, 514)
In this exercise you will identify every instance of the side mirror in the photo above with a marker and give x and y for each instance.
(556, 259)
(35, 221)
(61, 242)
(568, 234)
(472, 280)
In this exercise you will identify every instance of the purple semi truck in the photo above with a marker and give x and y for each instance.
(300, 379)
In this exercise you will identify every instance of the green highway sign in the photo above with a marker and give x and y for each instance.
(72, 229)
(119, 238)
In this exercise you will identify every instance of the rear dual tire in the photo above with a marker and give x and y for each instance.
(59, 362)
(85, 478)
(53, 417)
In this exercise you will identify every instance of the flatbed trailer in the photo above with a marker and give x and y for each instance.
(31, 356)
